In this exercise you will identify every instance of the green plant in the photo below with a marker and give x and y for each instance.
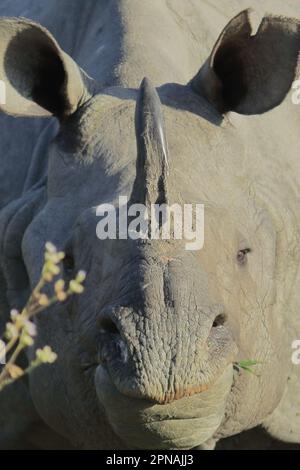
(20, 330)
(247, 365)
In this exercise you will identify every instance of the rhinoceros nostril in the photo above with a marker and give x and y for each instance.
(108, 326)
(219, 320)
(112, 348)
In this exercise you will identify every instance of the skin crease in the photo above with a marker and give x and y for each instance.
(214, 161)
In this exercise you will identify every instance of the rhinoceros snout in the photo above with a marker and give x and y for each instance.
(153, 361)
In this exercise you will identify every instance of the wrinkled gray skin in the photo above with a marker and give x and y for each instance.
(145, 355)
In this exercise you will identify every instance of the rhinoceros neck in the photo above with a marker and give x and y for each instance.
(165, 40)
(122, 41)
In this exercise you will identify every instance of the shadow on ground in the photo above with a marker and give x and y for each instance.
(255, 439)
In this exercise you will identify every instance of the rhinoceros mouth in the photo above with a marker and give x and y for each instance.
(185, 423)
(124, 364)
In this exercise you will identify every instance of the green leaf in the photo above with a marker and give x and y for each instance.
(248, 363)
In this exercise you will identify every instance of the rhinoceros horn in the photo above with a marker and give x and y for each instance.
(152, 166)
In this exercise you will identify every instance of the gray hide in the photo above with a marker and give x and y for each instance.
(146, 354)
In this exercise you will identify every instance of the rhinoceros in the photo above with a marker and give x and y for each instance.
(170, 100)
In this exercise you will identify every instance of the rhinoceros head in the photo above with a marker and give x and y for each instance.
(146, 353)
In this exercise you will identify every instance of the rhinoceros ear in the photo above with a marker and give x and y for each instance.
(253, 64)
(39, 78)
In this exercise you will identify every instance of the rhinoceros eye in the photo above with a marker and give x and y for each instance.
(242, 255)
